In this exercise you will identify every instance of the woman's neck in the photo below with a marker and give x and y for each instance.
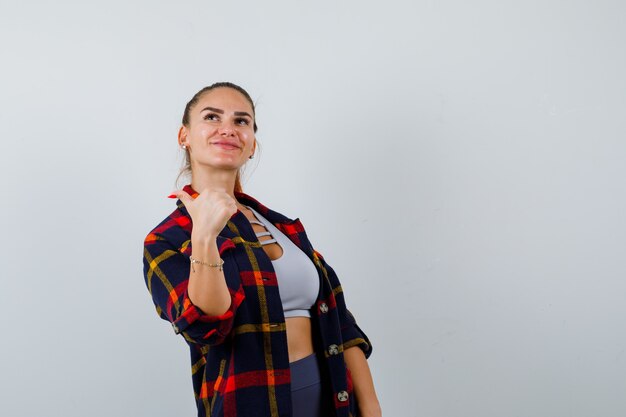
(214, 180)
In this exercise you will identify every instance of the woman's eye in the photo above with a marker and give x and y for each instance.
(243, 122)
(210, 116)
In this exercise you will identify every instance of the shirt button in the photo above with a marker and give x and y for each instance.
(333, 350)
(342, 396)
(324, 308)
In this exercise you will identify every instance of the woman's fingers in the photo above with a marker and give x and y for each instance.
(182, 196)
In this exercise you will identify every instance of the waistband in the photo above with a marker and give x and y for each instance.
(305, 372)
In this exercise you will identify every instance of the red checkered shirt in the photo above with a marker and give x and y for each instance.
(239, 360)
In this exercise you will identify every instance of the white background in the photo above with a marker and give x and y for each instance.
(459, 163)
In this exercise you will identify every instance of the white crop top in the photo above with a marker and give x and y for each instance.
(298, 280)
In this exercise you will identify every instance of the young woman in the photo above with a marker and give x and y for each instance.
(262, 312)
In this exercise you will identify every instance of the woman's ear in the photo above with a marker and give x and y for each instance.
(182, 135)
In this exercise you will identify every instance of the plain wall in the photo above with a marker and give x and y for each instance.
(460, 164)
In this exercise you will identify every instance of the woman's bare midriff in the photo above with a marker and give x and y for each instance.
(299, 339)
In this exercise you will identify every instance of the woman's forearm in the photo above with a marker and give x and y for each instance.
(207, 287)
(363, 383)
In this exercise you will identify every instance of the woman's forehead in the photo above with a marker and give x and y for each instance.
(224, 98)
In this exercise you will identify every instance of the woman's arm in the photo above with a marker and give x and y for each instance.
(207, 287)
(367, 402)
(166, 273)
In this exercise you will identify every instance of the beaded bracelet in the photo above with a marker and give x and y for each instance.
(195, 261)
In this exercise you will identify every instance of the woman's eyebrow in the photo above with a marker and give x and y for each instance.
(220, 111)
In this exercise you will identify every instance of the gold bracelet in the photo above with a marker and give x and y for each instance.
(195, 261)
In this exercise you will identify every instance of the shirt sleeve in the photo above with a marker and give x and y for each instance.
(351, 333)
(166, 273)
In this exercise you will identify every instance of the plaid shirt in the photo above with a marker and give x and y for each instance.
(239, 360)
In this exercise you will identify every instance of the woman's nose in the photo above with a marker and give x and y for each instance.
(226, 130)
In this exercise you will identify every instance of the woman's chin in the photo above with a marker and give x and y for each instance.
(225, 164)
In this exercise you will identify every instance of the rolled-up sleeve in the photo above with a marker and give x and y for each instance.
(351, 333)
(166, 273)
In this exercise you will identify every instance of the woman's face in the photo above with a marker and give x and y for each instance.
(220, 134)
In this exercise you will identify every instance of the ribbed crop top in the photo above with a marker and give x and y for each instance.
(298, 280)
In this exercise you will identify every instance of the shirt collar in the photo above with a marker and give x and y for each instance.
(248, 200)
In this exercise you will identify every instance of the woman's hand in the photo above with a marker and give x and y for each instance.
(209, 211)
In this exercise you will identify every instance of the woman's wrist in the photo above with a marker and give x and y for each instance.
(369, 408)
(203, 240)
(204, 250)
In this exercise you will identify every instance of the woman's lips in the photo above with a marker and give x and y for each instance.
(223, 145)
